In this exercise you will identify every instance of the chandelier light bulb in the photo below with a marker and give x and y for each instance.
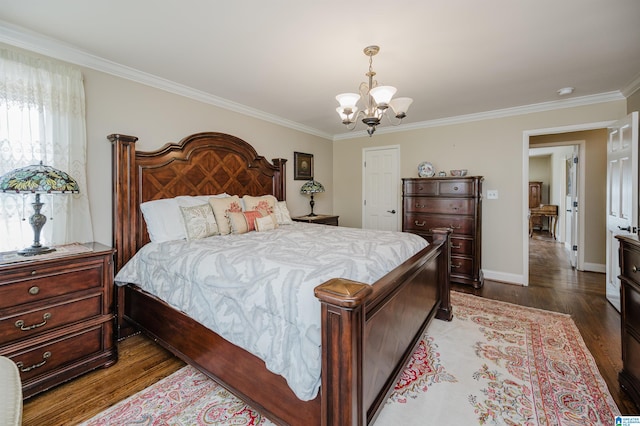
(400, 106)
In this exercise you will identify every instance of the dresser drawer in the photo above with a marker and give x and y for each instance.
(457, 187)
(439, 205)
(34, 284)
(34, 322)
(462, 246)
(49, 356)
(461, 266)
(631, 300)
(421, 223)
(421, 187)
(631, 264)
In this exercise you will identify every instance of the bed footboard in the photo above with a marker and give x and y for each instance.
(370, 332)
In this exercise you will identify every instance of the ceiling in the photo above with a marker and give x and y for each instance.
(285, 60)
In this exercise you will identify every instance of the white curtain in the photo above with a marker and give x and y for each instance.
(42, 118)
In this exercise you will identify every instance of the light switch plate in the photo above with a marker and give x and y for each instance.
(492, 194)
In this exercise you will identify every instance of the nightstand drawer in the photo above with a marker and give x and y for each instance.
(34, 284)
(49, 356)
(32, 323)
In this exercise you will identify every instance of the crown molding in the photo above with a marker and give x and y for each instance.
(632, 87)
(499, 113)
(29, 40)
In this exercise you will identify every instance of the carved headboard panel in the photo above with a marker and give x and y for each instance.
(201, 164)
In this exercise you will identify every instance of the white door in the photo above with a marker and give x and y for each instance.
(572, 206)
(622, 195)
(381, 180)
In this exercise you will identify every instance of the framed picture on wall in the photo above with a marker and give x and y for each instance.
(302, 166)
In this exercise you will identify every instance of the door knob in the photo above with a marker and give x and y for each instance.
(391, 211)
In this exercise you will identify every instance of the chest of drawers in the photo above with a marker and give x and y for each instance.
(449, 202)
(629, 255)
(57, 315)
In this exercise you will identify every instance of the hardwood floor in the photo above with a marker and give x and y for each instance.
(553, 285)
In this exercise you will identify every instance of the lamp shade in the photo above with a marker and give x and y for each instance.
(383, 94)
(311, 187)
(39, 179)
(348, 100)
(400, 106)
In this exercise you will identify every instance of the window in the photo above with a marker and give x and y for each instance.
(42, 118)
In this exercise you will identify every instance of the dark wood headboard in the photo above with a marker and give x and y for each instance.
(201, 164)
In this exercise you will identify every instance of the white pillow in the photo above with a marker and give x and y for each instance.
(163, 218)
(282, 213)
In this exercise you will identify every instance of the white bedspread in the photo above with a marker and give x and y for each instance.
(256, 289)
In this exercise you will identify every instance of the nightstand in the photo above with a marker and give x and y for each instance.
(324, 219)
(57, 316)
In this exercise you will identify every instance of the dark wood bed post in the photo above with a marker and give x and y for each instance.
(124, 198)
(445, 311)
(342, 310)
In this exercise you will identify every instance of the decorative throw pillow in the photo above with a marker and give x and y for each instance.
(222, 206)
(264, 202)
(243, 222)
(265, 223)
(199, 221)
(282, 213)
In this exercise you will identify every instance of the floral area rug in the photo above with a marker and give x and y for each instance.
(495, 363)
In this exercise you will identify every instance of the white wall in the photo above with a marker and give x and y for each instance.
(492, 148)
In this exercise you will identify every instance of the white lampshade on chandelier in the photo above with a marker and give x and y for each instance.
(377, 100)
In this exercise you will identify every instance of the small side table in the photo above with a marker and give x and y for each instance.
(323, 219)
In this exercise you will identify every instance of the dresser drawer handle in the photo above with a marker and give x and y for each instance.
(34, 290)
(24, 369)
(455, 188)
(456, 247)
(21, 326)
(420, 224)
(456, 266)
(455, 227)
(634, 269)
(420, 206)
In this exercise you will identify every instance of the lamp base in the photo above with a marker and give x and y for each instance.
(32, 250)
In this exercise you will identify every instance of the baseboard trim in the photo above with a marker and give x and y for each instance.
(504, 277)
(595, 267)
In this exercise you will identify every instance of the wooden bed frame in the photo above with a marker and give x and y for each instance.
(368, 331)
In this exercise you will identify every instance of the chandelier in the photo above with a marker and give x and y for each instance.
(377, 100)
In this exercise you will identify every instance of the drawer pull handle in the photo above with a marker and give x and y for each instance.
(456, 266)
(34, 290)
(634, 269)
(455, 188)
(21, 326)
(34, 272)
(456, 247)
(455, 227)
(24, 369)
(420, 224)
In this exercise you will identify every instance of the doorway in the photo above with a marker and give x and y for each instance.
(591, 139)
